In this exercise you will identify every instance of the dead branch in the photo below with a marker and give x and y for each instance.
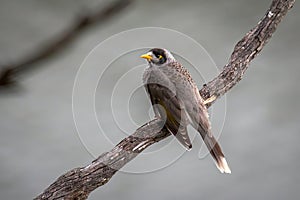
(9, 73)
(79, 182)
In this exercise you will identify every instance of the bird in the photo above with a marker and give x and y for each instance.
(175, 98)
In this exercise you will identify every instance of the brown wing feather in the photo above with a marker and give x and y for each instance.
(167, 106)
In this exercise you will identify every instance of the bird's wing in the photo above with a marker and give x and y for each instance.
(169, 107)
(163, 95)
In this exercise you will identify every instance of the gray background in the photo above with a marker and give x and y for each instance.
(260, 136)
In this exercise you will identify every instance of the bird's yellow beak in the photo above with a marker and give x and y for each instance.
(146, 56)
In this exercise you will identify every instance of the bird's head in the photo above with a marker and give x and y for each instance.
(158, 56)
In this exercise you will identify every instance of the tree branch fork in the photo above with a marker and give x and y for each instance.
(78, 183)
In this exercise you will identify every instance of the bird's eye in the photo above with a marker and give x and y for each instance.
(160, 57)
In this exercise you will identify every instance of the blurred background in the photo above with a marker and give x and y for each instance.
(39, 141)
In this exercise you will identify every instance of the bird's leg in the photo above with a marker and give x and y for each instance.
(210, 100)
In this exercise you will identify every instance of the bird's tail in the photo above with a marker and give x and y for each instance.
(216, 152)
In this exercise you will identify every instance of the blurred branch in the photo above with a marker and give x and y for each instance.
(79, 182)
(8, 73)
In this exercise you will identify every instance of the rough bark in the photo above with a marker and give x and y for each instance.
(79, 182)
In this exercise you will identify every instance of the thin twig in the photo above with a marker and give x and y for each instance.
(9, 73)
(79, 182)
